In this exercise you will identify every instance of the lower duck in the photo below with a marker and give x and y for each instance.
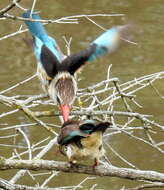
(82, 140)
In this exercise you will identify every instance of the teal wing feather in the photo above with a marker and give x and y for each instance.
(72, 135)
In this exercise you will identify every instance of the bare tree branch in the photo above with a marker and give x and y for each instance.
(111, 171)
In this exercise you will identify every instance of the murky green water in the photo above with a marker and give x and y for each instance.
(18, 63)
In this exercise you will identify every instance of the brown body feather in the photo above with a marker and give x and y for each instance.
(82, 139)
(92, 148)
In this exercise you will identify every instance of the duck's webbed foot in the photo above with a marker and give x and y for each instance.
(96, 163)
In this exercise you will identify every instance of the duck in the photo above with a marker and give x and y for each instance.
(82, 140)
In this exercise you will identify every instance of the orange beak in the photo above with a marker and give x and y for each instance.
(65, 110)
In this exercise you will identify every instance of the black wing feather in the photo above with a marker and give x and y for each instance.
(87, 126)
(90, 128)
(49, 61)
(73, 62)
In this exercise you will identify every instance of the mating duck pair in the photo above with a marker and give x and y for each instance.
(56, 71)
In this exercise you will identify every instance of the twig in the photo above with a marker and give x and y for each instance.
(8, 136)
(122, 96)
(38, 156)
(18, 84)
(27, 141)
(104, 29)
(68, 45)
(6, 185)
(119, 156)
(9, 7)
(54, 173)
(20, 7)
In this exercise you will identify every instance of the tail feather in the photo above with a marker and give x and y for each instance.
(102, 126)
